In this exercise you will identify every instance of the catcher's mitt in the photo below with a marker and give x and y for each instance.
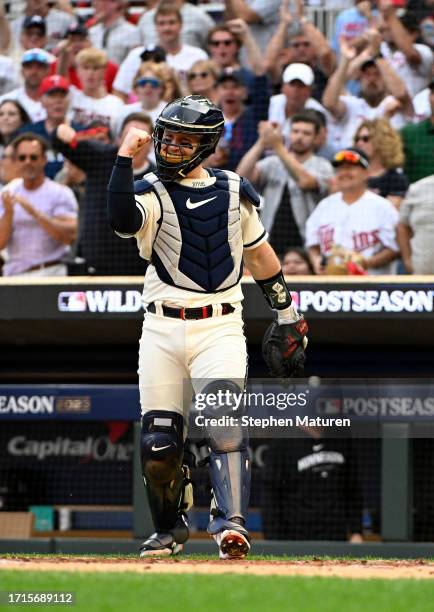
(283, 348)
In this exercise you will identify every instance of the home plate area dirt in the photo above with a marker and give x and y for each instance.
(362, 568)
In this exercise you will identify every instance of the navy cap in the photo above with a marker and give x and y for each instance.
(35, 21)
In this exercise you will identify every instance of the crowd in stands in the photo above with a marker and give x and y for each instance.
(333, 124)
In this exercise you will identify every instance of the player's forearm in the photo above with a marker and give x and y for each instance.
(380, 259)
(262, 262)
(123, 214)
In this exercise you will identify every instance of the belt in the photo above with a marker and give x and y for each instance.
(203, 312)
(41, 266)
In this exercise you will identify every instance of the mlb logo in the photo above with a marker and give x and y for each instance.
(72, 301)
(328, 405)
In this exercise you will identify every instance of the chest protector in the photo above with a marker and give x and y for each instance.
(198, 245)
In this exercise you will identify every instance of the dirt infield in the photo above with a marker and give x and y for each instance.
(362, 568)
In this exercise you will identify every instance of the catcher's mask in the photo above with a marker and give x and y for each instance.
(189, 115)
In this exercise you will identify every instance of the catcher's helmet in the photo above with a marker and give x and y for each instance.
(189, 115)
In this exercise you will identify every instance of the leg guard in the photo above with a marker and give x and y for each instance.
(229, 463)
(167, 480)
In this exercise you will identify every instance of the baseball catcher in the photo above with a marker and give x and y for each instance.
(196, 225)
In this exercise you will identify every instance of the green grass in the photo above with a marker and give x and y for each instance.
(129, 592)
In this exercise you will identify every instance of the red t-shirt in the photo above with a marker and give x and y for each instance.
(72, 76)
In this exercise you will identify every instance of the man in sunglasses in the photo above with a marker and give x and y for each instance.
(354, 218)
(197, 225)
(38, 217)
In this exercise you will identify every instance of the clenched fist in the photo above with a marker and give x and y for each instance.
(133, 142)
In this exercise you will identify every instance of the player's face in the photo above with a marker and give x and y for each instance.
(30, 159)
(350, 176)
(177, 147)
(303, 137)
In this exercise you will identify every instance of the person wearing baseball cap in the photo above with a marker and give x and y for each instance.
(33, 33)
(54, 95)
(35, 66)
(354, 220)
(76, 39)
(296, 96)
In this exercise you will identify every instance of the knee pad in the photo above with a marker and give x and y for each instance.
(162, 445)
(225, 438)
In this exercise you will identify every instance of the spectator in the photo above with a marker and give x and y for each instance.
(416, 227)
(352, 24)
(419, 145)
(180, 56)
(261, 15)
(202, 79)
(377, 80)
(412, 61)
(8, 166)
(113, 33)
(57, 21)
(300, 43)
(383, 146)
(354, 219)
(311, 488)
(225, 43)
(12, 117)
(34, 33)
(196, 22)
(172, 85)
(54, 92)
(292, 181)
(241, 122)
(296, 96)
(93, 102)
(149, 87)
(35, 65)
(76, 39)
(38, 217)
(105, 253)
(296, 262)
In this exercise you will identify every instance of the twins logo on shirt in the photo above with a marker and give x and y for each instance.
(361, 240)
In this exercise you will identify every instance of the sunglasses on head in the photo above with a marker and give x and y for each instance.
(22, 157)
(217, 43)
(351, 157)
(154, 83)
(195, 75)
(362, 138)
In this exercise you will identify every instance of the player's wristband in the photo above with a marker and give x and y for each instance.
(275, 291)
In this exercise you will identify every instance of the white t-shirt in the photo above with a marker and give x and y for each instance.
(117, 40)
(422, 107)
(136, 107)
(33, 108)
(277, 114)
(253, 235)
(181, 62)
(358, 110)
(415, 76)
(83, 109)
(366, 226)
